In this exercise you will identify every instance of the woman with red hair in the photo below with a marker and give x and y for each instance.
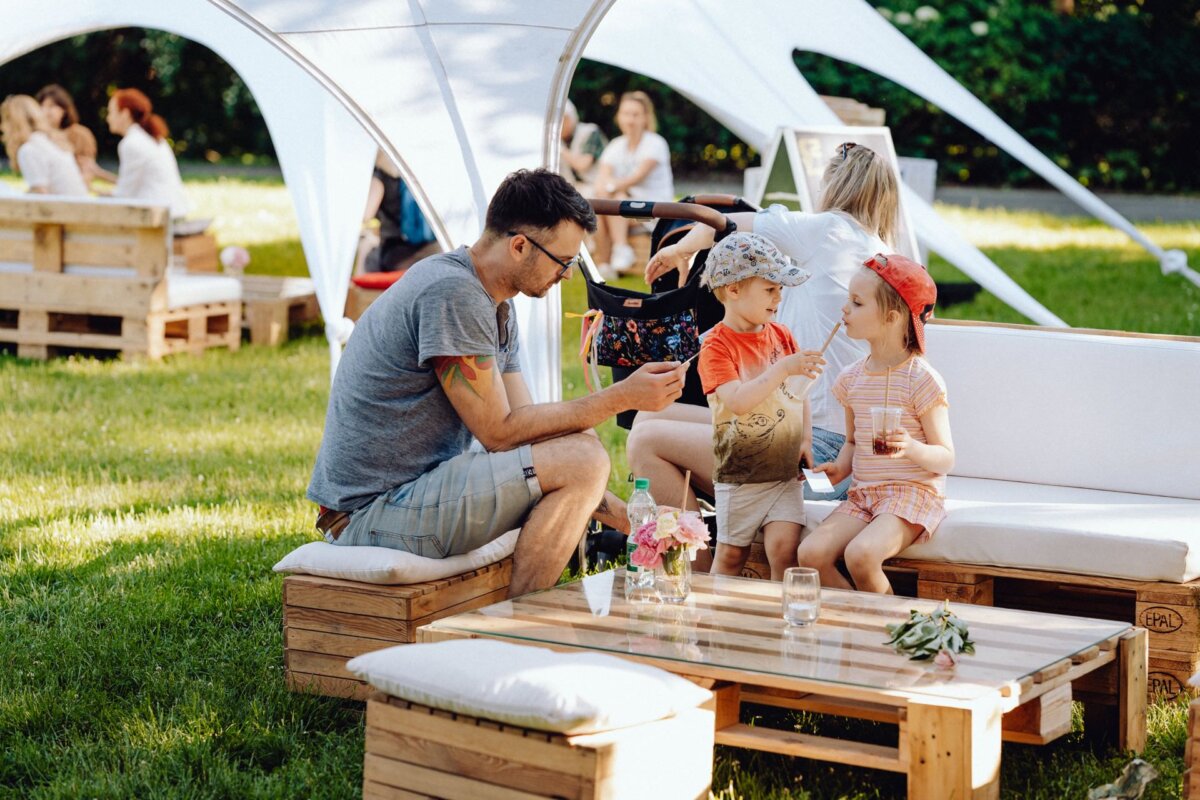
(147, 170)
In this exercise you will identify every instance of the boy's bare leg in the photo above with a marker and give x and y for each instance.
(822, 548)
(886, 536)
(573, 471)
(780, 540)
(729, 559)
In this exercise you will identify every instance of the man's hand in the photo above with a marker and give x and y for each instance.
(807, 363)
(652, 387)
(667, 259)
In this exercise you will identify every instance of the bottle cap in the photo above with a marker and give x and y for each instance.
(641, 483)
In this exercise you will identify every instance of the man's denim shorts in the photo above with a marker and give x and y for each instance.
(826, 446)
(459, 505)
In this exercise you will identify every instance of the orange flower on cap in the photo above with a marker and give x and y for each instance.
(912, 282)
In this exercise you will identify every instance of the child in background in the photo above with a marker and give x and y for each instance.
(760, 429)
(898, 498)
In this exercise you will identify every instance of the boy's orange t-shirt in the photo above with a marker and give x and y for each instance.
(762, 445)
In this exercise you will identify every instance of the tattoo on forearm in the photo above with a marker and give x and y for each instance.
(474, 372)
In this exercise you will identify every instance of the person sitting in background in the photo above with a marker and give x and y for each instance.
(581, 146)
(147, 168)
(60, 112)
(404, 235)
(636, 165)
(37, 151)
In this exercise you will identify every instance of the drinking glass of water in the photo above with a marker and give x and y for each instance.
(801, 595)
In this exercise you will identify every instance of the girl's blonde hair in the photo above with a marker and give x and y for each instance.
(862, 184)
(20, 117)
(890, 300)
(647, 104)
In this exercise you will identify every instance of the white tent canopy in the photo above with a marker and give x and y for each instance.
(461, 92)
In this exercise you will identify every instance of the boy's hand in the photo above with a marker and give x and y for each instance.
(834, 471)
(806, 457)
(900, 442)
(667, 259)
(807, 363)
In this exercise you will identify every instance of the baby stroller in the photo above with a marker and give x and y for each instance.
(667, 297)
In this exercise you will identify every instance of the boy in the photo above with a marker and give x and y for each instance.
(761, 429)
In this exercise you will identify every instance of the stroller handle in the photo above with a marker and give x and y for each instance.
(642, 209)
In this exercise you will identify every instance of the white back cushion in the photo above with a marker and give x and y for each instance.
(1120, 413)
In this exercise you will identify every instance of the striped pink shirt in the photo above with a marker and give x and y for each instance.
(915, 387)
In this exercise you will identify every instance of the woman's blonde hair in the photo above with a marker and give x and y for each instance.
(20, 117)
(647, 104)
(862, 184)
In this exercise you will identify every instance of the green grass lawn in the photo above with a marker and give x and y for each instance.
(142, 506)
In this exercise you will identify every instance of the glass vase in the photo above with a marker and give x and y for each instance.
(673, 580)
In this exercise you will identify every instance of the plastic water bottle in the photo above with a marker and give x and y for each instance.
(639, 583)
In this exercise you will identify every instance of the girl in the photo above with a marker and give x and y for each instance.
(38, 152)
(897, 495)
(147, 170)
(637, 165)
(60, 112)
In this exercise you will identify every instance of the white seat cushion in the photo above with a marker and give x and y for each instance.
(1060, 529)
(183, 289)
(385, 565)
(572, 693)
(197, 290)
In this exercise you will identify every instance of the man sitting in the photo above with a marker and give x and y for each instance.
(434, 363)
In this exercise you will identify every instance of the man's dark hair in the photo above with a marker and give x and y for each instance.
(537, 199)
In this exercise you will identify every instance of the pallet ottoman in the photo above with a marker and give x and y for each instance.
(481, 718)
(347, 601)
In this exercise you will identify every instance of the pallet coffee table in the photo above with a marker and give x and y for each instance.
(729, 636)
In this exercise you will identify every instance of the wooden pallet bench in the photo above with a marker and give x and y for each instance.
(271, 305)
(327, 621)
(1170, 612)
(413, 751)
(92, 277)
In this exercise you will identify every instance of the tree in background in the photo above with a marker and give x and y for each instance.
(206, 104)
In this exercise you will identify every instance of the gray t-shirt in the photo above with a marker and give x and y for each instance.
(389, 421)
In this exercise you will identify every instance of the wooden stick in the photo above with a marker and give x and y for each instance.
(689, 360)
(687, 485)
(829, 338)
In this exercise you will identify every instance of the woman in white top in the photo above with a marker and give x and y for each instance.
(42, 155)
(859, 217)
(635, 165)
(147, 168)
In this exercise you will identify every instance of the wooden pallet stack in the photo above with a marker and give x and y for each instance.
(328, 621)
(273, 304)
(114, 298)
(413, 751)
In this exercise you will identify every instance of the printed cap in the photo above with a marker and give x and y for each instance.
(747, 255)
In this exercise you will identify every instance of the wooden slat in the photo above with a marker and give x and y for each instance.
(1175, 590)
(333, 644)
(317, 664)
(1171, 626)
(1041, 720)
(1131, 706)
(326, 685)
(47, 247)
(107, 215)
(439, 784)
(822, 704)
(396, 733)
(803, 745)
(380, 791)
(953, 752)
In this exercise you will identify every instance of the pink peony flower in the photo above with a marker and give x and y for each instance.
(692, 531)
(234, 259)
(944, 659)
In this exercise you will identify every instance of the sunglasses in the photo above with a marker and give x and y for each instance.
(566, 265)
(845, 147)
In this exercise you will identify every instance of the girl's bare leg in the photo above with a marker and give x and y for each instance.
(822, 548)
(886, 536)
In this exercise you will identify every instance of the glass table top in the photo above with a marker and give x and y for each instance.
(735, 624)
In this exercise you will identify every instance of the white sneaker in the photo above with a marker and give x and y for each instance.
(622, 257)
(607, 272)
